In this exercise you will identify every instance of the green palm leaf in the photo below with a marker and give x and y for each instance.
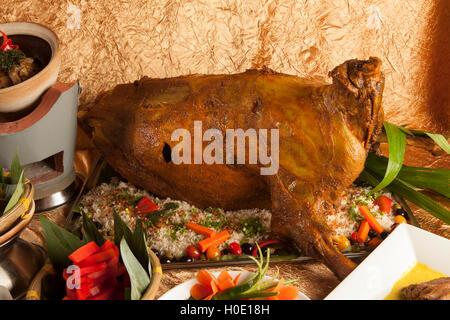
(397, 144)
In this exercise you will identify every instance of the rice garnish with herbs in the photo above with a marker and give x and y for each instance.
(169, 235)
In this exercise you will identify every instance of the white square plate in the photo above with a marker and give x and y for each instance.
(407, 245)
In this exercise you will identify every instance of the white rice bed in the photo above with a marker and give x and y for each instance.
(99, 204)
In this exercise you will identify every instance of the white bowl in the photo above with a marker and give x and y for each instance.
(407, 245)
(182, 291)
(24, 94)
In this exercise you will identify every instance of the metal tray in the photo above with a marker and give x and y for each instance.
(102, 172)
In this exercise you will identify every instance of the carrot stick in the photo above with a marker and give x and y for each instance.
(371, 219)
(200, 229)
(363, 231)
(213, 241)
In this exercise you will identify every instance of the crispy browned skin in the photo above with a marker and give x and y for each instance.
(325, 133)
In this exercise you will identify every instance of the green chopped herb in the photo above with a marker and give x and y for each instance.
(355, 215)
(251, 227)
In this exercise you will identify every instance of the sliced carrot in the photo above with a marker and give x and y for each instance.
(200, 229)
(288, 293)
(199, 291)
(214, 288)
(374, 224)
(209, 297)
(223, 276)
(213, 241)
(205, 278)
(363, 231)
(236, 279)
(226, 284)
(276, 289)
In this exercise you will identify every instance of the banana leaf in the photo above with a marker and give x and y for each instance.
(15, 197)
(397, 144)
(139, 278)
(434, 179)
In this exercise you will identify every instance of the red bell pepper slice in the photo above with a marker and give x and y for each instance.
(144, 206)
(85, 251)
(98, 257)
(71, 294)
(384, 203)
(93, 268)
(105, 291)
(84, 290)
(107, 245)
(264, 243)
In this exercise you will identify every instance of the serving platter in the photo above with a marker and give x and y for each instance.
(102, 173)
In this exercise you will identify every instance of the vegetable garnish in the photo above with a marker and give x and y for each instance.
(263, 244)
(102, 274)
(10, 55)
(99, 269)
(384, 203)
(7, 43)
(213, 241)
(363, 231)
(224, 287)
(144, 206)
(201, 229)
(374, 224)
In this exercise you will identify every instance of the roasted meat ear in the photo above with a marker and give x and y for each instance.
(324, 131)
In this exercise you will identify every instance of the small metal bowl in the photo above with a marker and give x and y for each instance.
(19, 262)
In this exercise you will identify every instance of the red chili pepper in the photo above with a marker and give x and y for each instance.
(7, 43)
(144, 206)
(264, 243)
(84, 252)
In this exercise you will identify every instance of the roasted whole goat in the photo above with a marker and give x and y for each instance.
(325, 133)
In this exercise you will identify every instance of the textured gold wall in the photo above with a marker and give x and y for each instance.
(120, 41)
